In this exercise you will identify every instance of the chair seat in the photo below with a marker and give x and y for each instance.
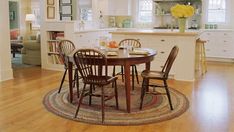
(100, 80)
(153, 75)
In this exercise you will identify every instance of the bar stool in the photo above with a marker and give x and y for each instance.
(200, 56)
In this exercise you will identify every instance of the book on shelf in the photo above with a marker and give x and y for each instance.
(53, 46)
(54, 35)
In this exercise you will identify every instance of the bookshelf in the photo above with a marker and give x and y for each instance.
(53, 40)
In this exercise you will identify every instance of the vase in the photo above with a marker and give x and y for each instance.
(182, 23)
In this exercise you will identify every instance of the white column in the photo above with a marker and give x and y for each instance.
(6, 72)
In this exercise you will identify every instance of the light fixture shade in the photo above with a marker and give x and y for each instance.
(30, 17)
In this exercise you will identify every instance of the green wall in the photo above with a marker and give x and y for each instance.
(14, 14)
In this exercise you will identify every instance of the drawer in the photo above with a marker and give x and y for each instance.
(225, 53)
(162, 54)
(211, 53)
(157, 64)
(225, 34)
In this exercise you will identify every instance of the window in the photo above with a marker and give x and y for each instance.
(217, 11)
(86, 14)
(145, 8)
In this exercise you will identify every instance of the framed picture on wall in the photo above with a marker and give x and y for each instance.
(50, 2)
(66, 10)
(65, 1)
(50, 12)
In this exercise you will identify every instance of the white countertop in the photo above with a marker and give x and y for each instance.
(174, 32)
(95, 30)
(152, 31)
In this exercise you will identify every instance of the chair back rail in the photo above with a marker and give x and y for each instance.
(90, 63)
(170, 60)
(130, 42)
(65, 48)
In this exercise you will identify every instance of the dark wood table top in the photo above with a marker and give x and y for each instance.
(124, 54)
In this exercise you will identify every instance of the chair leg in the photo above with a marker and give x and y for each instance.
(168, 94)
(61, 84)
(77, 83)
(80, 101)
(122, 73)
(203, 60)
(90, 94)
(116, 96)
(132, 77)
(113, 74)
(136, 73)
(103, 104)
(143, 89)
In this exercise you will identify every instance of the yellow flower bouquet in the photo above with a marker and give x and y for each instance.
(180, 11)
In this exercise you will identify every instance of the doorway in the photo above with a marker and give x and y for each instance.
(24, 17)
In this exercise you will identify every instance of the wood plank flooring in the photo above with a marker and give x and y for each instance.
(211, 104)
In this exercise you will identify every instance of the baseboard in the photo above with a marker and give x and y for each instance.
(6, 75)
(214, 59)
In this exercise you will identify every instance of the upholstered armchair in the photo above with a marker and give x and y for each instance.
(31, 53)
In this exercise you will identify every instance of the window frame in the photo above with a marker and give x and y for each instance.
(225, 10)
(139, 11)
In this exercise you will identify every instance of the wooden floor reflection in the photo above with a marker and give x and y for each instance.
(211, 104)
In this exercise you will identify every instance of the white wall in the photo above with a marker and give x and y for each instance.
(5, 55)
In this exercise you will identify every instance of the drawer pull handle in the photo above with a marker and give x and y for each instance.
(161, 66)
(162, 40)
(162, 52)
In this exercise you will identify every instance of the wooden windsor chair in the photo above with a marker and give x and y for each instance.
(159, 75)
(90, 64)
(65, 48)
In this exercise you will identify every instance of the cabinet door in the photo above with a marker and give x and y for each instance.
(115, 7)
(211, 43)
(219, 44)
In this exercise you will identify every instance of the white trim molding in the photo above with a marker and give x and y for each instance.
(6, 75)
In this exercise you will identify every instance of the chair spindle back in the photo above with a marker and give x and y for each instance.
(130, 42)
(66, 47)
(170, 60)
(90, 63)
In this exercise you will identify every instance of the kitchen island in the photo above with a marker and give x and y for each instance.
(162, 41)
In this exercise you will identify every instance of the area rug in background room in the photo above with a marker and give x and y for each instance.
(155, 108)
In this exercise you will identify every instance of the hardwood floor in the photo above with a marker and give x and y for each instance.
(211, 104)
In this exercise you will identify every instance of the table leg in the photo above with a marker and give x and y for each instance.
(70, 65)
(127, 86)
(147, 67)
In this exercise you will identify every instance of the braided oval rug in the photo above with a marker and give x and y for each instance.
(155, 107)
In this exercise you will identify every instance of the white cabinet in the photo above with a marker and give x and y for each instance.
(183, 67)
(162, 44)
(115, 7)
(89, 39)
(220, 44)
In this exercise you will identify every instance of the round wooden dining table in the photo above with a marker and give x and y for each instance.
(124, 58)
